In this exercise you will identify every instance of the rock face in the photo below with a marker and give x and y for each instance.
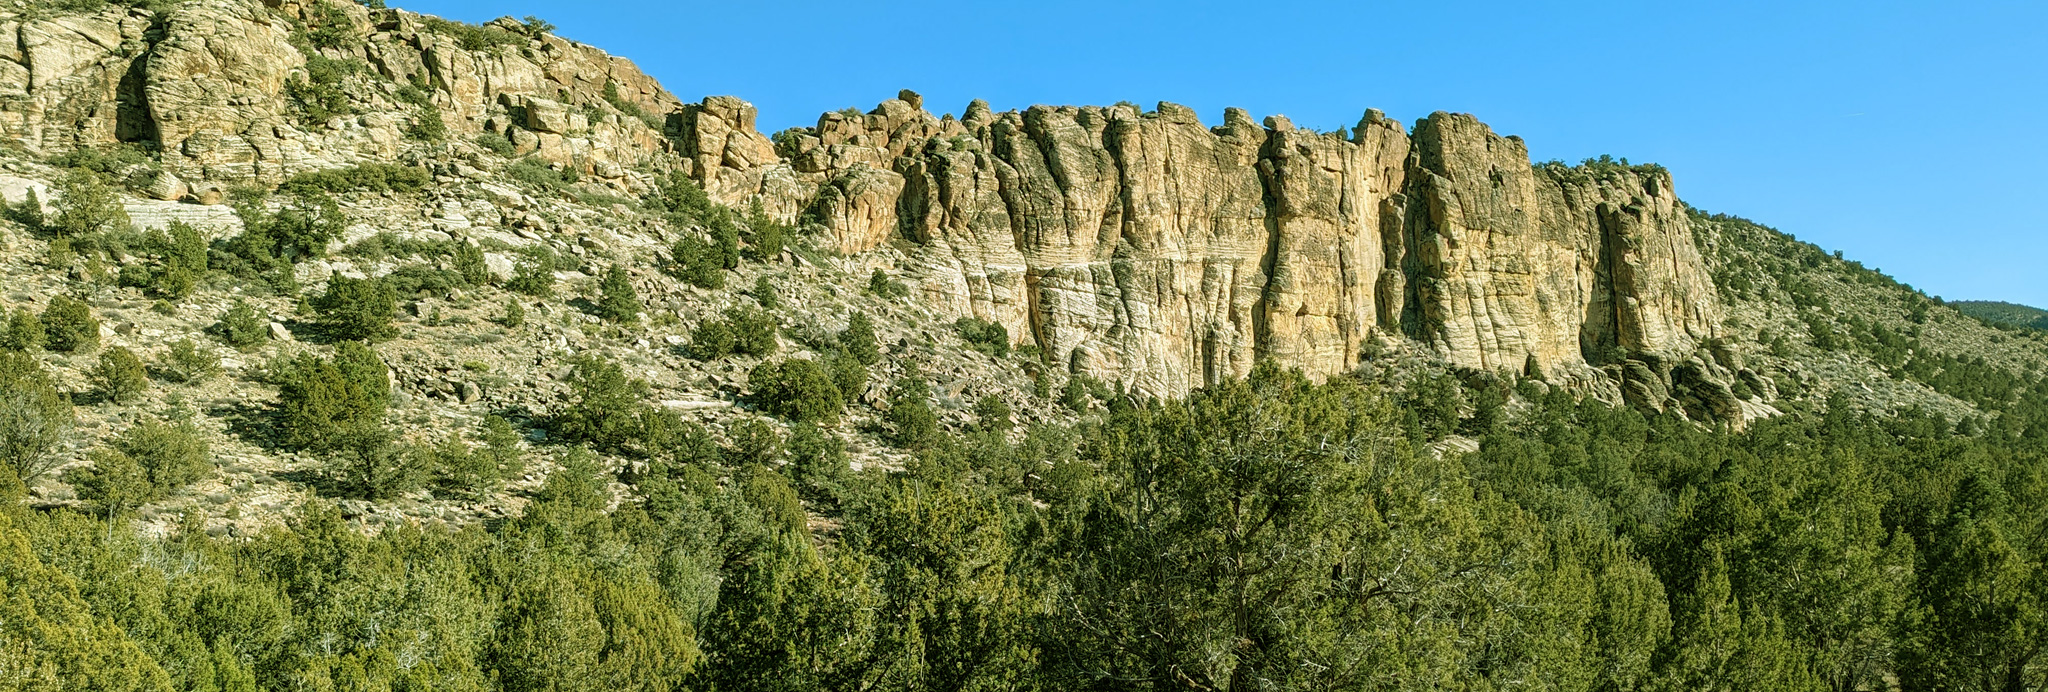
(1148, 248)
(211, 85)
(1144, 247)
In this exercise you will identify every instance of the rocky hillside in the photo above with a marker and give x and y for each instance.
(1112, 246)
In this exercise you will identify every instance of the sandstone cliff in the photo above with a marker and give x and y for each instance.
(1148, 248)
(209, 85)
(1138, 246)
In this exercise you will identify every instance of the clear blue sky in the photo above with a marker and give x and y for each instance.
(1906, 135)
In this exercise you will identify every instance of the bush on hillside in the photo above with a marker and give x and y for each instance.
(188, 363)
(34, 417)
(69, 326)
(325, 404)
(858, 339)
(984, 336)
(23, 331)
(85, 204)
(357, 309)
(143, 464)
(120, 375)
(617, 301)
(881, 286)
(369, 177)
(796, 390)
(241, 327)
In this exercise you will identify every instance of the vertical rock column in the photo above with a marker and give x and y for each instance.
(1489, 287)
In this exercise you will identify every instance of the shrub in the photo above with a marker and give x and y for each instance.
(415, 278)
(881, 285)
(501, 444)
(461, 468)
(60, 255)
(515, 314)
(796, 390)
(182, 262)
(754, 443)
(534, 274)
(271, 243)
(329, 28)
(764, 235)
(173, 455)
(357, 309)
(241, 327)
(711, 340)
(617, 301)
(984, 336)
(764, 293)
(496, 144)
(187, 363)
(472, 36)
(991, 412)
(681, 200)
(858, 340)
(817, 464)
(753, 331)
(318, 96)
(605, 406)
(69, 326)
(469, 262)
(325, 404)
(113, 484)
(120, 375)
(912, 424)
(577, 484)
(698, 263)
(744, 330)
(33, 417)
(365, 464)
(23, 332)
(86, 204)
(427, 125)
(536, 174)
(29, 213)
(849, 376)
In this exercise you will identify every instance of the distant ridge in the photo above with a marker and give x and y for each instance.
(2002, 313)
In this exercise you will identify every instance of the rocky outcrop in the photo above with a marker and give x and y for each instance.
(210, 85)
(1148, 248)
(72, 81)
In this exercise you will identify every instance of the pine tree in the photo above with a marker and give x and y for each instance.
(241, 327)
(34, 417)
(324, 404)
(858, 339)
(120, 375)
(617, 300)
(358, 309)
(86, 204)
(69, 325)
(23, 332)
(797, 390)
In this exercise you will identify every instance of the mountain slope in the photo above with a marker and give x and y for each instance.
(2003, 313)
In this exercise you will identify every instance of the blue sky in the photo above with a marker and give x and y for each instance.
(1905, 135)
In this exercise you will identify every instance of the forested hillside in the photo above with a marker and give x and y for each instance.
(2004, 313)
(400, 379)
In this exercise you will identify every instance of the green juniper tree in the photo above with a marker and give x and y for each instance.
(357, 309)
